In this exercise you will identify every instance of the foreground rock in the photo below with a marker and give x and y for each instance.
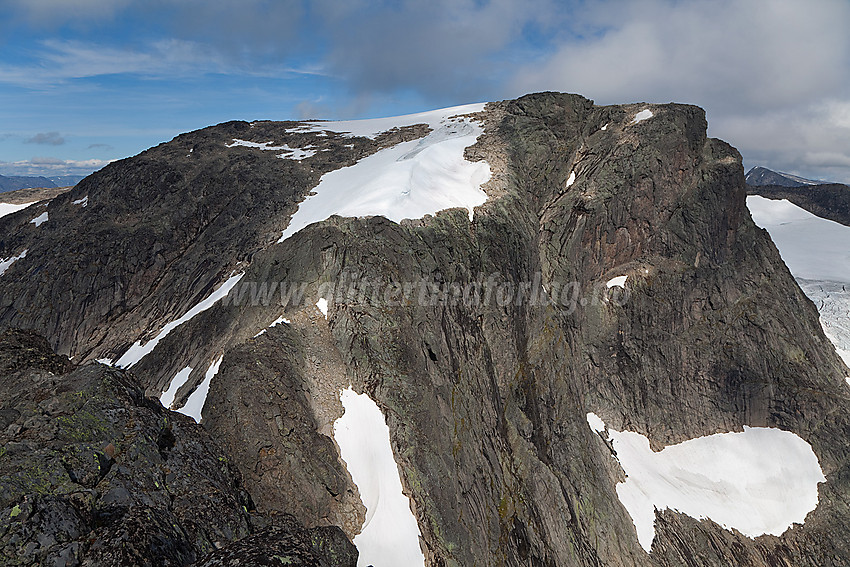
(94, 473)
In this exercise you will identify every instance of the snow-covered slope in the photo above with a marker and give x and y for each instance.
(370, 128)
(812, 247)
(390, 535)
(833, 302)
(406, 181)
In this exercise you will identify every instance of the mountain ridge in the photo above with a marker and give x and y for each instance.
(12, 183)
(486, 401)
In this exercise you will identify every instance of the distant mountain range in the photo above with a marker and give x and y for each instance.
(763, 176)
(66, 180)
(13, 183)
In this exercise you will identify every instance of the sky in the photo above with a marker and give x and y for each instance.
(83, 82)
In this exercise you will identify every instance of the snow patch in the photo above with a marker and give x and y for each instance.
(275, 323)
(167, 397)
(322, 305)
(196, 400)
(812, 247)
(84, 202)
(390, 535)
(9, 208)
(595, 422)
(572, 178)
(106, 361)
(758, 482)
(298, 153)
(604, 128)
(40, 219)
(136, 352)
(5, 263)
(406, 181)
(619, 281)
(289, 153)
(259, 146)
(645, 114)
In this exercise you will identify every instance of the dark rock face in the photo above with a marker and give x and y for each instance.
(485, 399)
(294, 467)
(287, 543)
(94, 473)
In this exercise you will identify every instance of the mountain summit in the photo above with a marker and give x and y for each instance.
(763, 176)
(528, 332)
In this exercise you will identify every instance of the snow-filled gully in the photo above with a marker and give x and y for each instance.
(390, 535)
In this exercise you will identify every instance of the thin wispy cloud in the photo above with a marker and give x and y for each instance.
(52, 13)
(60, 61)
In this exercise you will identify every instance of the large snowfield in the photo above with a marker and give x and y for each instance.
(759, 481)
(813, 248)
(405, 181)
(817, 251)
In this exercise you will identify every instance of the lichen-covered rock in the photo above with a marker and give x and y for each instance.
(94, 473)
(287, 543)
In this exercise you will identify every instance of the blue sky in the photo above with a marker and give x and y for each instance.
(83, 82)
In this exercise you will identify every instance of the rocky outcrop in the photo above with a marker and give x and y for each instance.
(287, 543)
(94, 473)
(485, 341)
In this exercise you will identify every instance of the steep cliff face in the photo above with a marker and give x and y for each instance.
(613, 269)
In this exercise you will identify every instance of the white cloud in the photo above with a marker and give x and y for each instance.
(758, 53)
(440, 48)
(772, 74)
(52, 166)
